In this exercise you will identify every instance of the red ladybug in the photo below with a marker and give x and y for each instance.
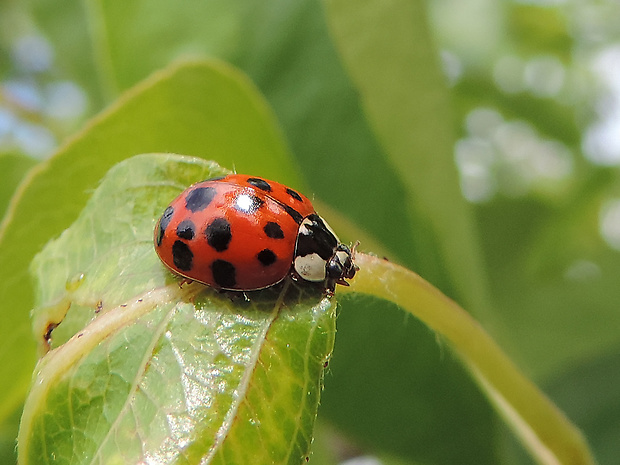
(240, 232)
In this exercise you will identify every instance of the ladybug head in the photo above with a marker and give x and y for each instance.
(320, 256)
(340, 267)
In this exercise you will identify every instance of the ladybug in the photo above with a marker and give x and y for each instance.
(243, 233)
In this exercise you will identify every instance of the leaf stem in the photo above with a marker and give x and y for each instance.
(543, 429)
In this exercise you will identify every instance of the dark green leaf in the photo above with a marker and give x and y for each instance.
(431, 402)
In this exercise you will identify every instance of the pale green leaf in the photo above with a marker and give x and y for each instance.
(163, 372)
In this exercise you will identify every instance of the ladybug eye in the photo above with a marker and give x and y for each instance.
(334, 268)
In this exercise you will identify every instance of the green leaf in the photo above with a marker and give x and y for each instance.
(430, 403)
(206, 109)
(284, 47)
(13, 168)
(588, 393)
(538, 30)
(558, 255)
(391, 60)
(8, 433)
(99, 51)
(163, 372)
(288, 52)
(388, 52)
(543, 429)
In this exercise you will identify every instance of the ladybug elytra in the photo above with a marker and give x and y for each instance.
(242, 233)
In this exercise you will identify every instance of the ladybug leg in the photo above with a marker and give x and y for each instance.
(185, 281)
(330, 291)
(237, 297)
(294, 275)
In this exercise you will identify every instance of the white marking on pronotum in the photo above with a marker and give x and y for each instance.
(311, 267)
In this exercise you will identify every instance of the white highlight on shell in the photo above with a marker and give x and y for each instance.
(244, 203)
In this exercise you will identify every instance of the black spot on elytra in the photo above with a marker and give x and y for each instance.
(186, 230)
(199, 198)
(320, 240)
(260, 184)
(164, 221)
(273, 230)
(293, 194)
(266, 257)
(224, 274)
(218, 234)
(182, 256)
(293, 214)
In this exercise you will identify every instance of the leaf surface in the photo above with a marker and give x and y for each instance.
(383, 45)
(161, 372)
(200, 108)
(13, 168)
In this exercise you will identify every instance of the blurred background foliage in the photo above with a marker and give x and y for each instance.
(534, 88)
